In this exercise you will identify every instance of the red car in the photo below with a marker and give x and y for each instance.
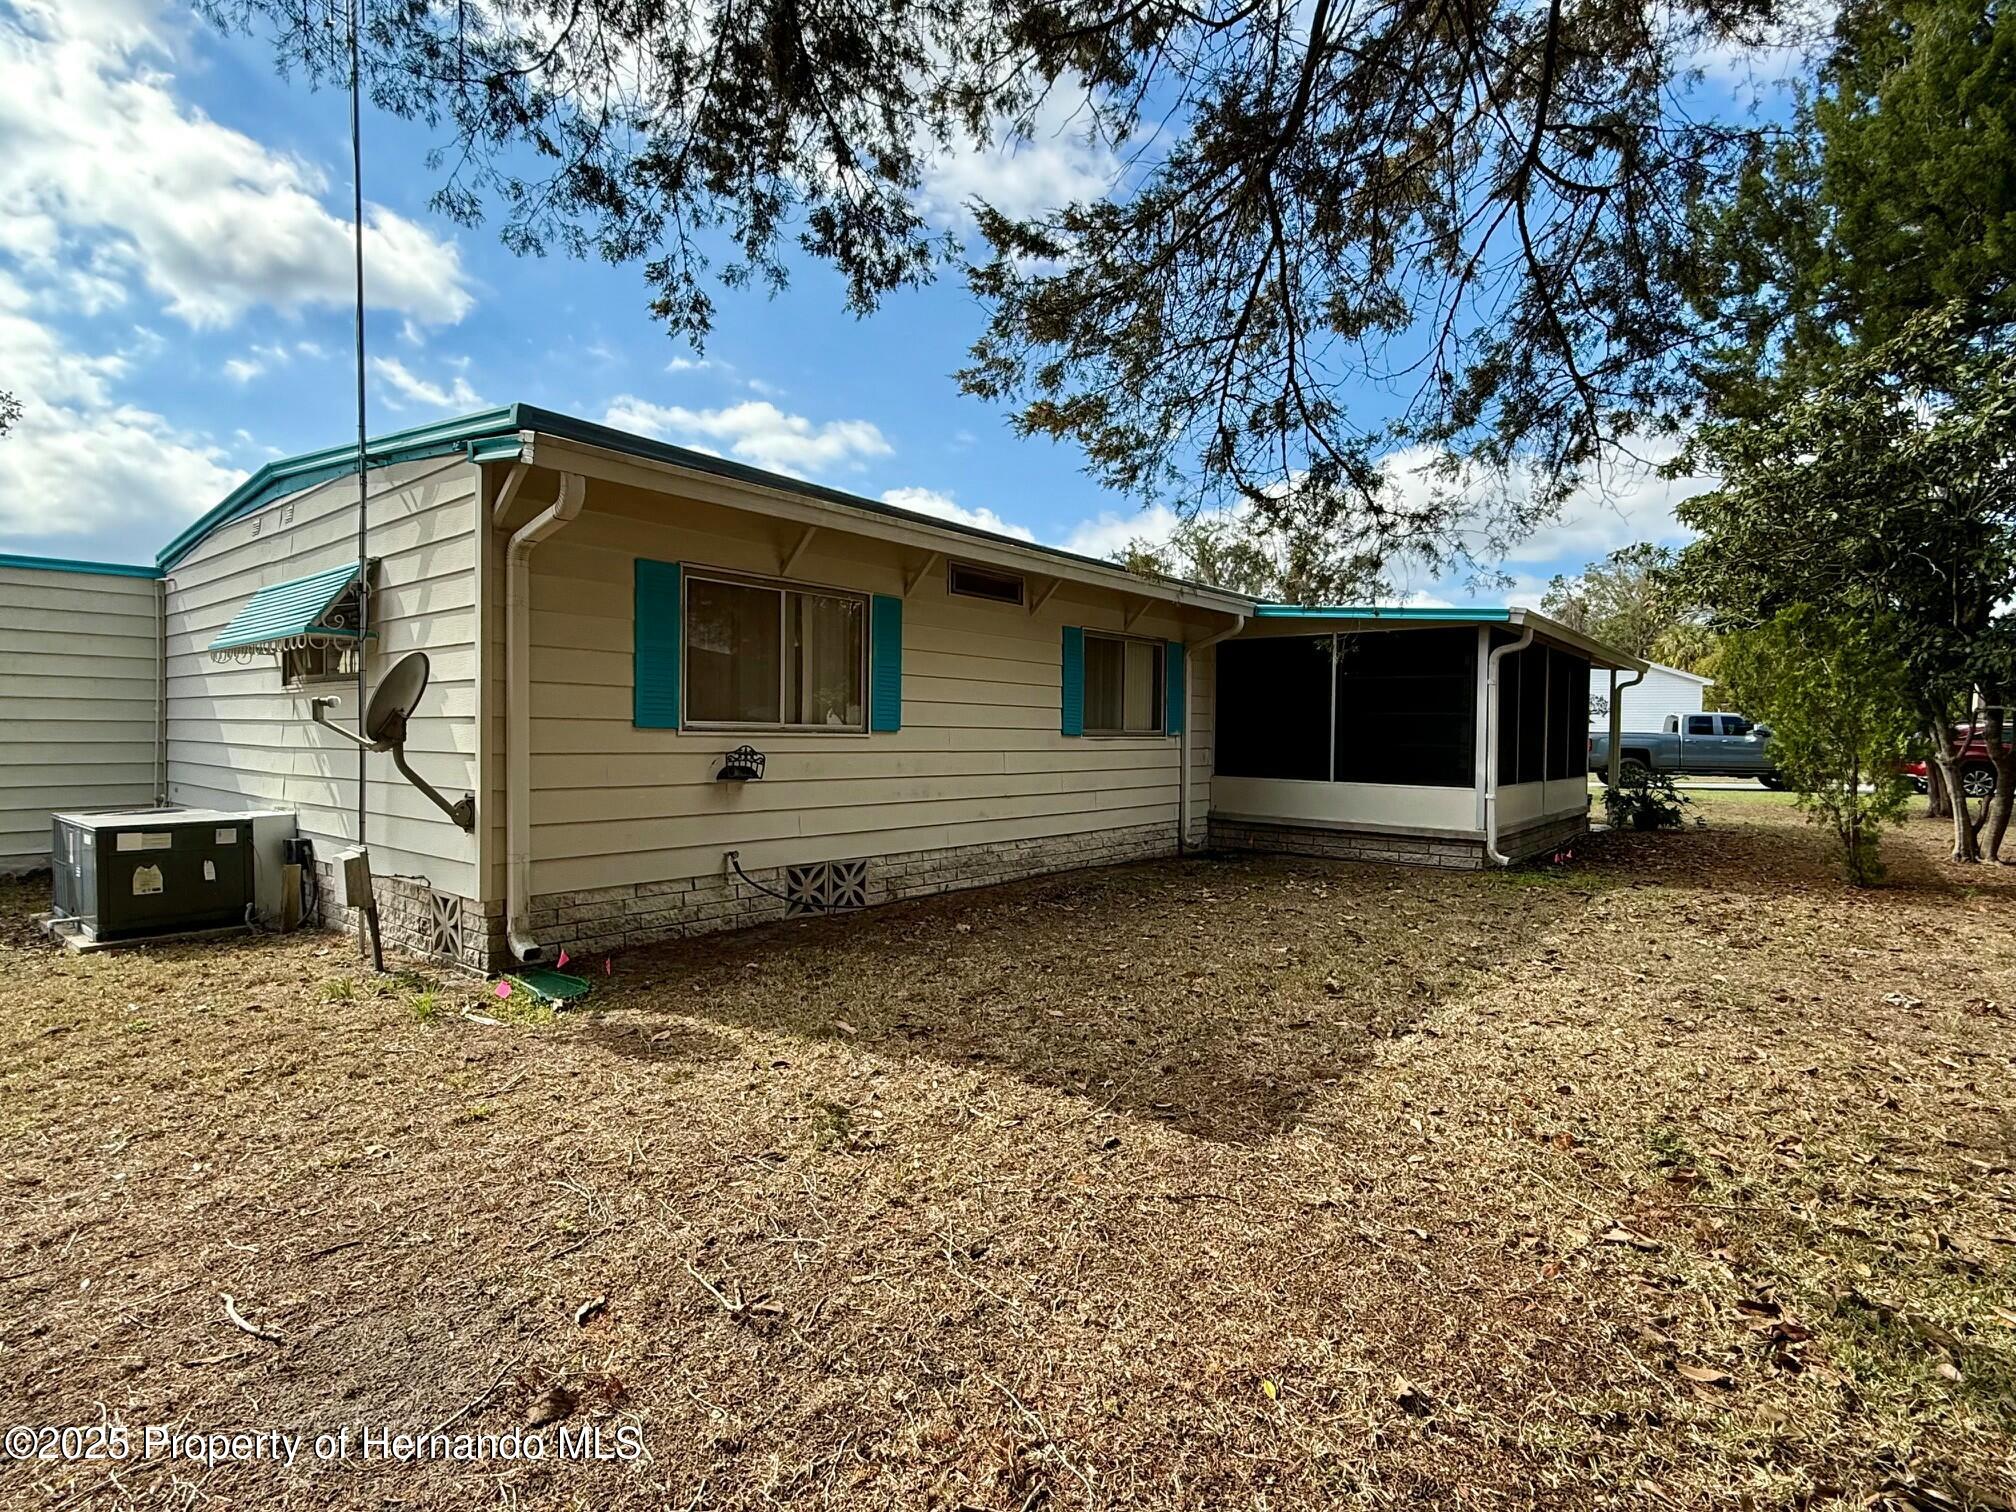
(1977, 769)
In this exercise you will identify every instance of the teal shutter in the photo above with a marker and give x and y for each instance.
(1073, 712)
(654, 665)
(885, 663)
(1172, 703)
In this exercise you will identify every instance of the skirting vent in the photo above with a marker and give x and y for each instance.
(825, 887)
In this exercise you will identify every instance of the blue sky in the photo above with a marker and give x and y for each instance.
(174, 309)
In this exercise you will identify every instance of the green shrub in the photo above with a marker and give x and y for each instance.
(1648, 801)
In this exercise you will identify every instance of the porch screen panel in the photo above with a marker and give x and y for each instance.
(1510, 670)
(1273, 707)
(1532, 716)
(1562, 734)
(1568, 716)
(1407, 707)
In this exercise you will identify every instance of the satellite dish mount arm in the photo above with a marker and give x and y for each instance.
(391, 731)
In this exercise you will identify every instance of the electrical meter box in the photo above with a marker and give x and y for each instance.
(124, 875)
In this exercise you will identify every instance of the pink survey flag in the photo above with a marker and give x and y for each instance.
(503, 989)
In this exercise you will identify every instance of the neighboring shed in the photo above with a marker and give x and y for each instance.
(1646, 705)
(80, 695)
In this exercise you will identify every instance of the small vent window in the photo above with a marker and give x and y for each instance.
(983, 583)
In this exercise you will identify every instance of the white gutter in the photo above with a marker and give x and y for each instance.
(1617, 720)
(518, 695)
(1183, 741)
(1491, 746)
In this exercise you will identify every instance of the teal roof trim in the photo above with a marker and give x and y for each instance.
(1486, 616)
(496, 448)
(68, 564)
(494, 435)
(281, 611)
(291, 475)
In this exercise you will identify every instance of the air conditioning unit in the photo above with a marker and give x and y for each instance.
(127, 874)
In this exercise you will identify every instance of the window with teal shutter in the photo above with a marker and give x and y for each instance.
(1073, 712)
(654, 671)
(885, 664)
(1172, 665)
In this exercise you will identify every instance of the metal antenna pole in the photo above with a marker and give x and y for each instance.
(370, 919)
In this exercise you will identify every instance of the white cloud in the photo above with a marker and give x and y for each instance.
(243, 369)
(101, 155)
(942, 506)
(81, 464)
(690, 364)
(1622, 502)
(756, 431)
(411, 388)
(1110, 532)
(1059, 163)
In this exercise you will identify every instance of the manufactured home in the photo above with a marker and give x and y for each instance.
(680, 694)
(1646, 703)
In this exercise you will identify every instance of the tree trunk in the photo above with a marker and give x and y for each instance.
(1946, 753)
(1938, 796)
(1994, 735)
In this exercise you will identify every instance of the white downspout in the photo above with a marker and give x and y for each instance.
(1617, 719)
(1183, 741)
(518, 696)
(1491, 747)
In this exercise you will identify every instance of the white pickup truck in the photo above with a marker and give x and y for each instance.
(1691, 745)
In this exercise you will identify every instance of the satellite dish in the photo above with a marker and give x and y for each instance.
(399, 694)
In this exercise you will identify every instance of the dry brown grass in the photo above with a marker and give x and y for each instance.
(1677, 1177)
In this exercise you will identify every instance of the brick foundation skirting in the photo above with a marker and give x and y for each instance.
(615, 918)
(416, 920)
(1408, 850)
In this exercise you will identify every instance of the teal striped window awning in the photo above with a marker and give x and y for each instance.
(316, 609)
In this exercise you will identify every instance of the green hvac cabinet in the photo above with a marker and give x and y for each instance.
(158, 871)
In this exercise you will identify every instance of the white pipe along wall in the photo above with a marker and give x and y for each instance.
(1190, 655)
(1491, 747)
(1617, 718)
(518, 695)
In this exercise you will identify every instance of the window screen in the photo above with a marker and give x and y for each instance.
(1123, 686)
(822, 680)
(734, 657)
(758, 655)
(1406, 708)
(1273, 707)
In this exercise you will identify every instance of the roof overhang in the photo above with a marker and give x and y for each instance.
(1425, 616)
(716, 481)
(524, 432)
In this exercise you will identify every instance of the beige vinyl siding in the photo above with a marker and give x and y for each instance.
(79, 701)
(979, 760)
(238, 739)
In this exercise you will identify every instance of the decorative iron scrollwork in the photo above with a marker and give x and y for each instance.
(743, 764)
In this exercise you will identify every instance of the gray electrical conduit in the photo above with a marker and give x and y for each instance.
(517, 696)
